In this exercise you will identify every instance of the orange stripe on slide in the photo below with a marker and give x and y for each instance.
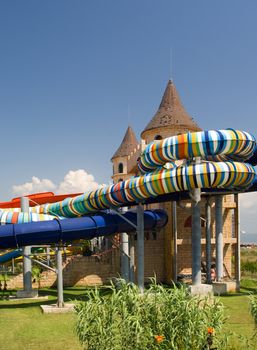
(182, 139)
(15, 217)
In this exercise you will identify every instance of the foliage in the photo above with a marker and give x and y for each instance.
(37, 275)
(248, 283)
(249, 266)
(253, 308)
(4, 277)
(161, 318)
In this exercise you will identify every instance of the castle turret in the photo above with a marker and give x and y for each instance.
(170, 119)
(125, 157)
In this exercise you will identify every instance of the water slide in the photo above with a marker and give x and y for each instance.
(223, 165)
(10, 255)
(67, 230)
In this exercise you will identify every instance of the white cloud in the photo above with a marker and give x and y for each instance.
(248, 201)
(77, 181)
(36, 185)
(74, 181)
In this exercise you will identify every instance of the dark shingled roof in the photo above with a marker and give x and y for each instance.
(128, 144)
(171, 112)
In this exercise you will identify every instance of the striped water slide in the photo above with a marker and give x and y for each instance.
(223, 164)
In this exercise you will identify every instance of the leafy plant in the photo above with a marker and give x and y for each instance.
(161, 318)
(37, 275)
(249, 266)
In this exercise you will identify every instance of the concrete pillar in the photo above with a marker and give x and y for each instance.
(60, 302)
(124, 253)
(27, 266)
(196, 244)
(219, 237)
(208, 239)
(238, 239)
(140, 247)
(27, 291)
(125, 256)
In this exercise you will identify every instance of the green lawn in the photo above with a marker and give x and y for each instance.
(23, 326)
(239, 319)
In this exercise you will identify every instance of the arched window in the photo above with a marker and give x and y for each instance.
(158, 137)
(120, 168)
(188, 222)
(120, 180)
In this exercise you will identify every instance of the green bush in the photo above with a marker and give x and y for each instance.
(249, 266)
(160, 318)
(253, 308)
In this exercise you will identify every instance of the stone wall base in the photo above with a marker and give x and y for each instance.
(220, 288)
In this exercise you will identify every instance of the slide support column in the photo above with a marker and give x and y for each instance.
(60, 302)
(27, 266)
(219, 237)
(125, 254)
(208, 239)
(196, 244)
(140, 247)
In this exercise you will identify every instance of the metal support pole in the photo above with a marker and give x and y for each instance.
(140, 247)
(237, 234)
(60, 302)
(219, 237)
(196, 244)
(208, 239)
(132, 258)
(125, 256)
(175, 236)
(27, 266)
(124, 253)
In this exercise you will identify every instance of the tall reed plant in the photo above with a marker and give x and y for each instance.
(161, 318)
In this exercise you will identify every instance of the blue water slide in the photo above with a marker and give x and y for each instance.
(66, 230)
(10, 255)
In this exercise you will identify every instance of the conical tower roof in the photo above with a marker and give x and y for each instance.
(171, 112)
(128, 144)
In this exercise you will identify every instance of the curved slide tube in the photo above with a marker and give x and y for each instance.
(217, 145)
(16, 217)
(55, 231)
(227, 144)
(10, 255)
(221, 144)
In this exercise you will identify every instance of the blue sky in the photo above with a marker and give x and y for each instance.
(74, 74)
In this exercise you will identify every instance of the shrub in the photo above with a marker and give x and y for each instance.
(253, 308)
(161, 318)
(249, 266)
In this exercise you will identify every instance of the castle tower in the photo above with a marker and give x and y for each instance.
(170, 119)
(170, 252)
(124, 159)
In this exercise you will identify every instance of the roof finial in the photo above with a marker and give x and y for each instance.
(128, 112)
(170, 75)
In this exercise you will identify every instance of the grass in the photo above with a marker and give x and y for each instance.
(239, 320)
(23, 326)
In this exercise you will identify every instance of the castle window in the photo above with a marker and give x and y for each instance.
(120, 168)
(188, 222)
(158, 137)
